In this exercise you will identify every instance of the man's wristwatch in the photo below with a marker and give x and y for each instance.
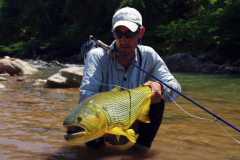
(162, 88)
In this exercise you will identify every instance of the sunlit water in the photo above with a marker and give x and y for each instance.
(31, 122)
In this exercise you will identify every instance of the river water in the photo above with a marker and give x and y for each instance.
(31, 122)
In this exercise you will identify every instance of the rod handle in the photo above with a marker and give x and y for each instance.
(100, 43)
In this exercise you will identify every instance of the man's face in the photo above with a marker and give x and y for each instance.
(126, 46)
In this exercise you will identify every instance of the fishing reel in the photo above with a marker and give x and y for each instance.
(87, 46)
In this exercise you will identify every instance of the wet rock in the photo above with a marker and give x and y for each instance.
(209, 68)
(4, 75)
(16, 66)
(38, 84)
(6, 57)
(28, 60)
(1, 86)
(182, 62)
(3, 79)
(66, 78)
(44, 64)
(206, 56)
(229, 70)
(43, 81)
(71, 65)
(226, 70)
(20, 80)
(39, 61)
(227, 63)
(55, 64)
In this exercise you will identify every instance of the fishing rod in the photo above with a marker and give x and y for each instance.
(106, 47)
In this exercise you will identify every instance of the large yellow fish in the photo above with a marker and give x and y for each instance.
(108, 112)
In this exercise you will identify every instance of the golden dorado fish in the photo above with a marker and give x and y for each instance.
(110, 112)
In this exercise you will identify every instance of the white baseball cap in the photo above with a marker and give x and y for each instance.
(128, 17)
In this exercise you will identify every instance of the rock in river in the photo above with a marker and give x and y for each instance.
(66, 78)
(16, 66)
(55, 63)
(3, 79)
(183, 62)
(39, 83)
(4, 75)
(1, 86)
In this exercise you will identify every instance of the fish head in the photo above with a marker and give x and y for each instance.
(85, 123)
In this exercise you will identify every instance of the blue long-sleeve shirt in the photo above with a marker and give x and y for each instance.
(103, 72)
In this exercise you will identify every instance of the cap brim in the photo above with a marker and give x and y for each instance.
(130, 25)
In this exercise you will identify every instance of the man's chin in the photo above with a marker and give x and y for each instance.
(125, 53)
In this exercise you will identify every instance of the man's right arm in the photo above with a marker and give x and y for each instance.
(92, 75)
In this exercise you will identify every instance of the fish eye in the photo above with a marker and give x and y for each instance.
(79, 119)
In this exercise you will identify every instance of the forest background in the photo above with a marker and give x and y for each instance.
(57, 29)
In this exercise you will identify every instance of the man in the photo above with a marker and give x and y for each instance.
(104, 70)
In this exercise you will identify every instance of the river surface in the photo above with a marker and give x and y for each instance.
(31, 122)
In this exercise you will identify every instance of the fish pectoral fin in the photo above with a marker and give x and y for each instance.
(116, 131)
(116, 88)
(145, 111)
(131, 135)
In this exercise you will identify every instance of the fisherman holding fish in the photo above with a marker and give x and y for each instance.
(104, 70)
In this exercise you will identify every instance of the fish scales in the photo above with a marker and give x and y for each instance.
(108, 112)
(118, 106)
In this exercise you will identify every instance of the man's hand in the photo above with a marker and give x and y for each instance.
(156, 91)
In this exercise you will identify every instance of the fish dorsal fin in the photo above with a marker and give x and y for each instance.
(140, 85)
(117, 131)
(145, 111)
(131, 135)
(116, 89)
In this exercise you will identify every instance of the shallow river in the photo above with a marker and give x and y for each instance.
(31, 122)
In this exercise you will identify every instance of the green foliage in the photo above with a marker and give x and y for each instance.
(60, 27)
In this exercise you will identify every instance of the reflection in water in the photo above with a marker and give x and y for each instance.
(31, 122)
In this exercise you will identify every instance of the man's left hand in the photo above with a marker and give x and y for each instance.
(156, 91)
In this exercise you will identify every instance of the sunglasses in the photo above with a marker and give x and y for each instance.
(129, 34)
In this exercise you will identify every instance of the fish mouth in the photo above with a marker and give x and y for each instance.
(74, 132)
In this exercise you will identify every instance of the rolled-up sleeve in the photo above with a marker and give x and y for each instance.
(160, 71)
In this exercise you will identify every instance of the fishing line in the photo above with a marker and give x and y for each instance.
(114, 85)
(215, 119)
(106, 47)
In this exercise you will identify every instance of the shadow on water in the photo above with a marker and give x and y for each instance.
(107, 152)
